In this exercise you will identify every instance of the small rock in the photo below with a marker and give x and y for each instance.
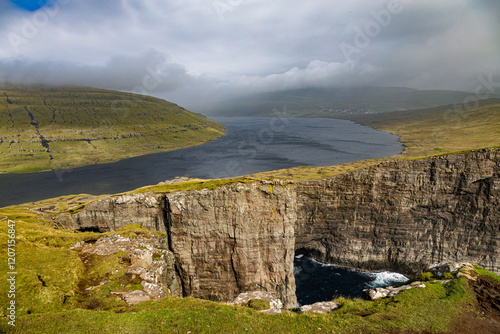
(78, 245)
(133, 297)
(244, 298)
(136, 270)
(320, 307)
(153, 290)
(141, 258)
(374, 294)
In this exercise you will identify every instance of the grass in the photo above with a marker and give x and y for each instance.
(306, 173)
(52, 128)
(441, 130)
(484, 272)
(194, 184)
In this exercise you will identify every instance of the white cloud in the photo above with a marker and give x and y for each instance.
(206, 50)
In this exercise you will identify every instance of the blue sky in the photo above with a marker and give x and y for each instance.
(194, 51)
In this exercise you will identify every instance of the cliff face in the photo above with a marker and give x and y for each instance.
(225, 241)
(402, 215)
(112, 213)
(234, 239)
(405, 215)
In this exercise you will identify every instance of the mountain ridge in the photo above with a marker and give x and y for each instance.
(327, 102)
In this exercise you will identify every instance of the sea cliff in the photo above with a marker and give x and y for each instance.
(400, 215)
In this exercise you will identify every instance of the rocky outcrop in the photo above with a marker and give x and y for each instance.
(320, 307)
(114, 212)
(389, 292)
(404, 215)
(400, 215)
(234, 239)
(149, 260)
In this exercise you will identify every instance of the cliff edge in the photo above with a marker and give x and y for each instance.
(400, 215)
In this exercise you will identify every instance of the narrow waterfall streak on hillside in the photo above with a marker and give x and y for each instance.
(318, 281)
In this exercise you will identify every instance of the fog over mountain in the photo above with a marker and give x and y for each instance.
(193, 52)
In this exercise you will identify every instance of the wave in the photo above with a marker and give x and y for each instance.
(386, 278)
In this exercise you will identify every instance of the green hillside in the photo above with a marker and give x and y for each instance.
(50, 128)
(323, 102)
(441, 130)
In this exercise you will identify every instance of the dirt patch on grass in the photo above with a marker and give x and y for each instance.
(486, 317)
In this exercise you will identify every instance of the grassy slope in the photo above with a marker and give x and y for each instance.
(49, 298)
(441, 130)
(44, 128)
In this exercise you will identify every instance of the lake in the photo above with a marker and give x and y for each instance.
(251, 145)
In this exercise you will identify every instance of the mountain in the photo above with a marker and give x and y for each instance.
(50, 128)
(328, 102)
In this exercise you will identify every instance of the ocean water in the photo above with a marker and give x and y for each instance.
(251, 145)
(317, 282)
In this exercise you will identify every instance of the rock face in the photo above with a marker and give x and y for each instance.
(225, 241)
(405, 215)
(234, 239)
(399, 215)
(112, 213)
(157, 273)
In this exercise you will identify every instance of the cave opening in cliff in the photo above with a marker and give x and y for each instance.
(316, 281)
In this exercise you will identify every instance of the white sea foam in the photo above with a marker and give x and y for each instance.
(321, 264)
(386, 278)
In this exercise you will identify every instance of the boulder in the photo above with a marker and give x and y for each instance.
(439, 269)
(377, 293)
(133, 297)
(244, 298)
(374, 294)
(154, 291)
(320, 307)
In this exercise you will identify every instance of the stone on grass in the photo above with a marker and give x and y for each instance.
(246, 297)
(153, 290)
(320, 307)
(133, 297)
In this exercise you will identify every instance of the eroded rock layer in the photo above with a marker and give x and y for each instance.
(234, 239)
(404, 215)
(400, 215)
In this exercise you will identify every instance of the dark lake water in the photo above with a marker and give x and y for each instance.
(251, 144)
(318, 282)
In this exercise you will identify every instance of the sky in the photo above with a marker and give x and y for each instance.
(193, 52)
